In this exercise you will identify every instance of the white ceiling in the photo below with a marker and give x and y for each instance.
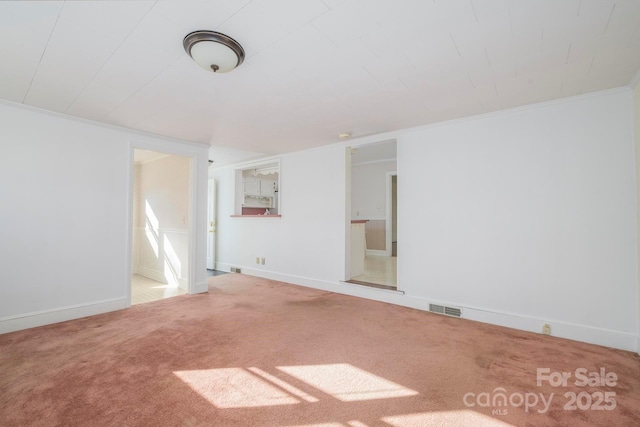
(314, 68)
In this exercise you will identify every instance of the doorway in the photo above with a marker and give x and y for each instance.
(391, 237)
(161, 215)
(373, 207)
(211, 225)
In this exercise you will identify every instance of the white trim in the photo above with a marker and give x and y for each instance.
(584, 333)
(62, 314)
(193, 211)
(238, 186)
(635, 80)
(223, 266)
(572, 331)
(197, 155)
(146, 162)
(211, 223)
(371, 162)
(389, 291)
(109, 126)
(129, 268)
(388, 225)
(152, 274)
(347, 212)
(359, 141)
(376, 252)
(254, 163)
(201, 288)
(164, 230)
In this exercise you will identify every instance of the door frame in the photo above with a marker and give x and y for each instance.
(388, 245)
(211, 224)
(198, 155)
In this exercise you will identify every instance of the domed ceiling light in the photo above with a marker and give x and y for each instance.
(213, 51)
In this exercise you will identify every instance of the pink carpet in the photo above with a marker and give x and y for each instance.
(254, 352)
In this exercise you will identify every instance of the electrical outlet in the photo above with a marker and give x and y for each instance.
(546, 329)
(257, 260)
(262, 260)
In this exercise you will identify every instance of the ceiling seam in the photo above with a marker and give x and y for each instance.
(591, 65)
(234, 14)
(475, 15)
(55, 24)
(606, 27)
(455, 44)
(110, 56)
(140, 90)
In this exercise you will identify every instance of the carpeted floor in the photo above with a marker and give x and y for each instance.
(254, 352)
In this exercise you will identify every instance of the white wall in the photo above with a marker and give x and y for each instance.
(528, 212)
(521, 217)
(369, 190)
(65, 221)
(308, 241)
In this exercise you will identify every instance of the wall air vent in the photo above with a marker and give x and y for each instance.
(236, 270)
(452, 311)
(434, 308)
(448, 311)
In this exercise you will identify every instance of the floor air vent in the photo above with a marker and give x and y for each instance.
(448, 311)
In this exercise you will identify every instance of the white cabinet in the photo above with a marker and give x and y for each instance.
(267, 187)
(258, 193)
(257, 201)
(256, 186)
(251, 186)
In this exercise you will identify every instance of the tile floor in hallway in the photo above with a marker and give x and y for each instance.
(144, 290)
(381, 270)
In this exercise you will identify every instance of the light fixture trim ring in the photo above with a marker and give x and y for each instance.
(196, 37)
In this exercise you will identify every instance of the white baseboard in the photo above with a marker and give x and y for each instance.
(46, 317)
(222, 266)
(560, 329)
(376, 252)
(150, 273)
(201, 287)
(583, 333)
(158, 276)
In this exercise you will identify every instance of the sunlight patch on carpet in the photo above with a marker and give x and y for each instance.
(346, 382)
(284, 385)
(234, 388)
(463, 417)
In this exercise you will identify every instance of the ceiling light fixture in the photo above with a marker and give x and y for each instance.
(344, 135)
(213, 51)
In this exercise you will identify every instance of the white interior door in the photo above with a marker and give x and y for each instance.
(391, 223)
(211, 225)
